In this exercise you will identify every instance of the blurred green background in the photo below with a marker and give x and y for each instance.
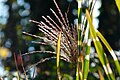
(14, 19)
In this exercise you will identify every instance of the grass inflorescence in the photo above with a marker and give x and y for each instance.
(73, 44)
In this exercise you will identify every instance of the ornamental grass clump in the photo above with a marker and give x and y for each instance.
(73, 42)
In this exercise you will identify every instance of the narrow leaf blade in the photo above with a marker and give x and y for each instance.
(58, 56)
(101, 75)
(118, 4)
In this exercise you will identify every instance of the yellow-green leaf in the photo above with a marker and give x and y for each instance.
(58, 49)
(58, 56)
(118, 4)
(99, 48)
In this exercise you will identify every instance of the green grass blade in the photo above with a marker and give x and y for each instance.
(79, 39)
(110, 50)
(79, 25)
(99, 49)
(58, 56)
(87, 50)
(87, 59)
(118, 4)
